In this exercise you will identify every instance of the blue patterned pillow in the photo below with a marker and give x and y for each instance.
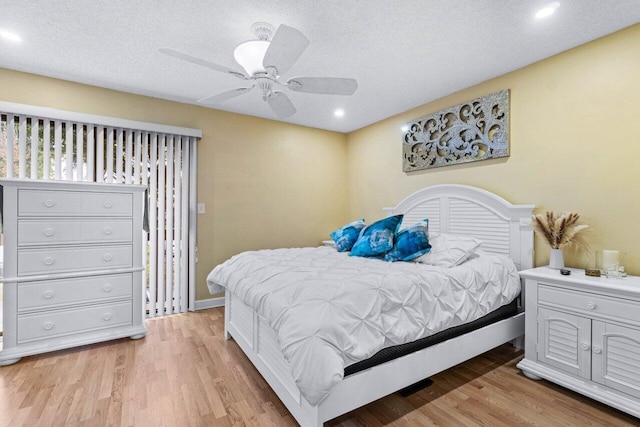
(377, 238)
(346, 236)
(410, 243)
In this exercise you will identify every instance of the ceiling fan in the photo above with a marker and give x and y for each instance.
(265, 60)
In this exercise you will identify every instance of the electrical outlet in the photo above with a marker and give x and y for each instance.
(200, 208)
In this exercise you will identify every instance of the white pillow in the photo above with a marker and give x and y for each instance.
(449, 250)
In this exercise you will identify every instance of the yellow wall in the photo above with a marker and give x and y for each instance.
(575, 146)
(265, 184)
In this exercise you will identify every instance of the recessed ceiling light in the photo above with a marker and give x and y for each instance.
(339, 112)
(8, 35)
(547, 10)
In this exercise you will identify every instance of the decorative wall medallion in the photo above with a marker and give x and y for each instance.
(475, 130)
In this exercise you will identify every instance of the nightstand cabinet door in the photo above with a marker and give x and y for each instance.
(564, 341)
(616, 357)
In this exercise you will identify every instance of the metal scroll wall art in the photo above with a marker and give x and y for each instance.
(475, 130)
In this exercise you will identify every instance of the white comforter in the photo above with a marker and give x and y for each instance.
(331, 310)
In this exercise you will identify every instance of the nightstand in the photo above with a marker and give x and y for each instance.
(583, 333)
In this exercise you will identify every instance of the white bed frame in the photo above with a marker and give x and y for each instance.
(502, 227)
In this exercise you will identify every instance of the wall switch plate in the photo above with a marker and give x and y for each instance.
(200, 208)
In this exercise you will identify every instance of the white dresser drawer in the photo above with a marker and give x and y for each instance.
(107, 204)
(55, 260)
(60, 231)
(73, 203)
(56, 323)
(56, 293)
(594, 304)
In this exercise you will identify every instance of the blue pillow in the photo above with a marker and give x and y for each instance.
(410, 243)
(377, 238)
(346, 236)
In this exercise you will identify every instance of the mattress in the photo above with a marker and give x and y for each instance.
(396, 351)
(331, 311)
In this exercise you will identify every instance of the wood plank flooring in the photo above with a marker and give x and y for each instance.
(185, 374)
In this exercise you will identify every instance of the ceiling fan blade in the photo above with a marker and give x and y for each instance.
(224, 95)
(281, 105)
(199, 61)
(323, 85)
(285, 48)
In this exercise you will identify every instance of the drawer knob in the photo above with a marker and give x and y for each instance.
(597, 350)
(591, 305)
(49, 261)
(107, 257)
(108, 230)
(106, 288)
(108, 204)
(49, 203)
(48, 326)
(106, 317)
(47, 294)
(585, 346)
(49, 232)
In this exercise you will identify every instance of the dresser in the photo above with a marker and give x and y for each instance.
(73, 262)
(583, 333)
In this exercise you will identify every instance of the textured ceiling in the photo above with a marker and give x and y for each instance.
(403, 53)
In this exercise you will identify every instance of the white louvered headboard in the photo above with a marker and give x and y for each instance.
(461, 209)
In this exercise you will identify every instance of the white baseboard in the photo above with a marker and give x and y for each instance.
(203, 304)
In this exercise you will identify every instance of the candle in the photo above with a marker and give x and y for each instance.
(610, 258)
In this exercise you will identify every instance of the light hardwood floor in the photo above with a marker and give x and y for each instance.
(184, 373)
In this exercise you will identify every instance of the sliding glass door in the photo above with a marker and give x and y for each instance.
(57, 148)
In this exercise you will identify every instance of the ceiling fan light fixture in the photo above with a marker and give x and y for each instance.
(250, 54)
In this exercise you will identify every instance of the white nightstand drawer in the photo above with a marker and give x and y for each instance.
(55, 323)
(54, 260)
(73, 203)
(60, 231)
(585, 302)
(57, 293)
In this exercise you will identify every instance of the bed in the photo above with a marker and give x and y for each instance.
(457, 209)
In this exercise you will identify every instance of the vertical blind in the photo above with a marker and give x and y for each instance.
(36, 147)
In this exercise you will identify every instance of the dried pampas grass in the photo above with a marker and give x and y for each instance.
(560, 231)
